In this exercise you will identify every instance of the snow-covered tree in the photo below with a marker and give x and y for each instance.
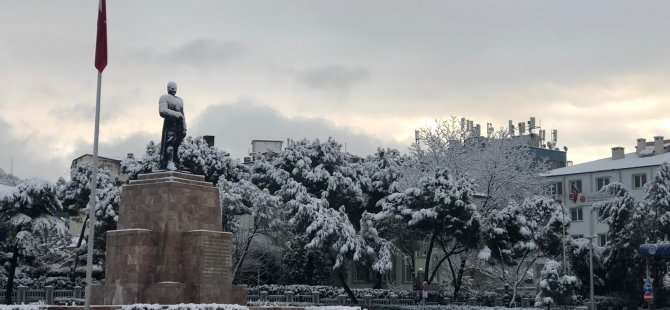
(23, 215)
(150, 162)
(657, 198)
(304, 266)
(50, 264)
(195, 156)
(555, 285)
(323, 202)
(74, 196)
(383, 171)
(579, 265)
(261, 266)
(406, 241)
(502, 168)
(629, 226)
(441, 207)
(517, 235)
(261, 208)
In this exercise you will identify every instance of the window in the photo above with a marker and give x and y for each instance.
(424, 249)
(361, 273)
(575, 184)
(602, 239)
(556, 188)
(407, 270)
(576, 214)
(388, 276)
(639, 180)
(601, 182)
(577, 236)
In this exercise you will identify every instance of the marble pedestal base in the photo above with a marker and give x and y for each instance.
(169, 247)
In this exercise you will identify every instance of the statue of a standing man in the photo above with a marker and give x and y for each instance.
(171, 108)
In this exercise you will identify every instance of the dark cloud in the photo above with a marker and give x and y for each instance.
(31, 155)
(36, 155)
(333, 80)
(236, 124)
(199, 52)
(119, 148)
(77, 112)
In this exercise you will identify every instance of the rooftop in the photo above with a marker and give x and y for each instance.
(630, 160)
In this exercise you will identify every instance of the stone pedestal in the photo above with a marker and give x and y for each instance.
(169, 247)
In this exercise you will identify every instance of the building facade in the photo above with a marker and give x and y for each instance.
(578, 186)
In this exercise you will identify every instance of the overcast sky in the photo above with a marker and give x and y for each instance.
(364, 72)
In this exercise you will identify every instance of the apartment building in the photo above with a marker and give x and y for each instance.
(578, 186)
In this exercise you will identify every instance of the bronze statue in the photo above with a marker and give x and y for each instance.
(171, 108)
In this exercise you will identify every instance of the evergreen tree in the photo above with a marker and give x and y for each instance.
(555, 286)
(74, 196)
(195, 156)
(304, 266)
(657, 198)
(579, 264)
(442, 209)
(323, 201)
(150, 162)
(243, 198)
(23, 215)
(517, 235)
(628, 229)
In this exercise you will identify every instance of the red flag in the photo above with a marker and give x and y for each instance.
(101, 38)
(575, 193)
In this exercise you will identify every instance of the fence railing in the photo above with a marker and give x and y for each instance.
(289, 298)
(51, 296)
(48, 295)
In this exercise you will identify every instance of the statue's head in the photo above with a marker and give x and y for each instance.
(172, 88)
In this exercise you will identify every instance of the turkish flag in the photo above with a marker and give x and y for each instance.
(575, 193)
(101, 38)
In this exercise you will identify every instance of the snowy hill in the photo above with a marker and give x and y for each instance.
(6, 190)
(8, 179)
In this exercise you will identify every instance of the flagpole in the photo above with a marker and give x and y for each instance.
(93, 200)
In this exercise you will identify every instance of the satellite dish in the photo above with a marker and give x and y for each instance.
(565, 148)
(550, 145)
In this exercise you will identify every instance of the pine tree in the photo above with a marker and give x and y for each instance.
(441, 208)
(628, 229)
(323, 201)
(74, 196)
(195, 156)
(149, 163)
(518, 235)
(245, 198)
(657, 198)
(555, 285)
(23, 215)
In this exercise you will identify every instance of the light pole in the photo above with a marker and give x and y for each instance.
(565, 265)
(591, 236)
